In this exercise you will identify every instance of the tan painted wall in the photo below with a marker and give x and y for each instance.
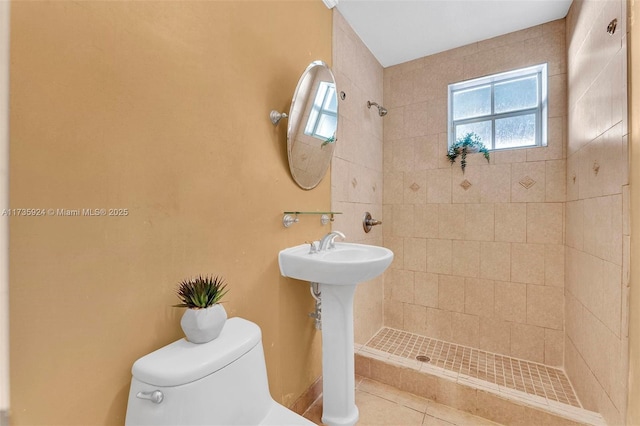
(633, 44)
(160, 108)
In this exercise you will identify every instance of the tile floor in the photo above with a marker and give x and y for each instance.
(380, 404)
(523, 382)
(531, 378)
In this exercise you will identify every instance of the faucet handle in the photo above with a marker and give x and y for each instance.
(313, 246)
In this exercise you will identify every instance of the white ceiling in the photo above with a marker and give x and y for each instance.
(398, 31)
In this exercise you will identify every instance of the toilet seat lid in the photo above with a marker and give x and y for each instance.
(183, 362)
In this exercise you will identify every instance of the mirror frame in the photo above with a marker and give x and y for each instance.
(300, 105)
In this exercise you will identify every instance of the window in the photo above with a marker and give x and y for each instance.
(507, 110)
(324, 113)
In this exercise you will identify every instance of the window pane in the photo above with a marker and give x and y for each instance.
(516, 131)
(331, 100)
(326, 126)
(482, 129)
(470, 103)
(517, 94)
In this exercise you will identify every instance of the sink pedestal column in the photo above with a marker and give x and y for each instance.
(338, 380)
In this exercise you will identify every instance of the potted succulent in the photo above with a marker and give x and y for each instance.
(205, 317)
(469, 143)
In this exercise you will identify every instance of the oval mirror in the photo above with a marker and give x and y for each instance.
(312, 125)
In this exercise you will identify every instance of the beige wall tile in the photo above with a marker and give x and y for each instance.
(590, 278)
(511, 222)
(527, 263)
(603, 227)
(415, 254)
(465, 258)
(415, 188)
(479, 297)
(527, 342)
(451, 221)
(511, 301)
(479, 222)
(495, 261)
(545, 306)
(573, 176)
(439, 185)
(556, 181)
(426, 152)
(439, 254)
(495, 335)
(545, 223)
(451, 293)
(612, 297)
(426, 289)
(554, 347)
(554, 263)
(465, 329)
(534, 174)
(416, 122)
(473, 174)
(426, 223)
(415, 318)
(575, 224)
(401, 149)
(400, 283)
(403, 220)
(509, 156)
(396, 245)
(393, 314)
(439, 324)
(495, 186)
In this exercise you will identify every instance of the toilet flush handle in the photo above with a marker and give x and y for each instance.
(156, 396)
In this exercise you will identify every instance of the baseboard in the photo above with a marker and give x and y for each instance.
(308, 397)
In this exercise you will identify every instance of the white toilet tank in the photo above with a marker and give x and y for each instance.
(223, 382)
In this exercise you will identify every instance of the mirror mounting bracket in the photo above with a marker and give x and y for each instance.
(276, 116)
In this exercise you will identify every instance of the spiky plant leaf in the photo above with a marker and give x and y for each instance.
(201, 292)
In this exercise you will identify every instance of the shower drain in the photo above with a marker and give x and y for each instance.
(423, 358)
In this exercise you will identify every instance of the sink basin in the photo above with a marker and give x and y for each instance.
(347, 263)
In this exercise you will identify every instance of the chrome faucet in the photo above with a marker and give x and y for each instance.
(328, 241)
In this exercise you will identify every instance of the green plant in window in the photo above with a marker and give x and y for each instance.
(467, 144)
(332, 139)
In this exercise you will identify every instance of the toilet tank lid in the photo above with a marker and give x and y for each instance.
(182, 362)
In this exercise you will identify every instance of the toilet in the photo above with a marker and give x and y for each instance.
(222, 382)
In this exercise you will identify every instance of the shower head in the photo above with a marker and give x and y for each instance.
(382, 111)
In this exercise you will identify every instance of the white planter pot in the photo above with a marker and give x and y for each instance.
(203, 325)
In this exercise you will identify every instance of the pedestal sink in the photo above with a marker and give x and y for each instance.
(337, 270)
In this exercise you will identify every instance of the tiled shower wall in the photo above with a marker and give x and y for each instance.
(481, 266)
(356, 168)
(597, 225)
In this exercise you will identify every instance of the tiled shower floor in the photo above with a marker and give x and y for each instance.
(522, 380)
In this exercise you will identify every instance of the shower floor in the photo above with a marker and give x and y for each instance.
(518, 379)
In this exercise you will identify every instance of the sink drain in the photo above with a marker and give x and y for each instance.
(423, 358)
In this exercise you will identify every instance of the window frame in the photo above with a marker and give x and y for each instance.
(318, 110)
(540, 71)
